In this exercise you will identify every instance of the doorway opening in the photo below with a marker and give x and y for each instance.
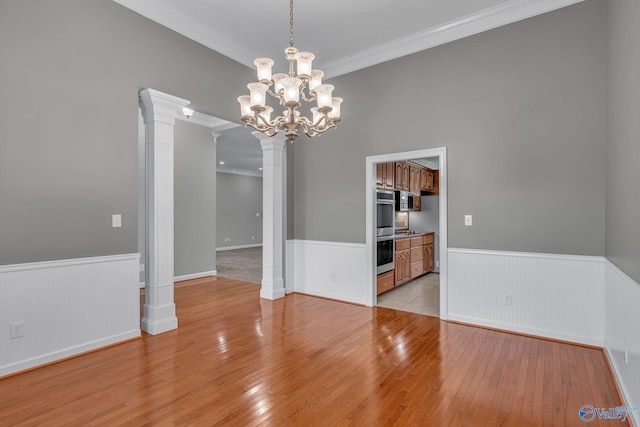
(417, 279)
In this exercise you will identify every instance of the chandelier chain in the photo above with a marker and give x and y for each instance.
(290, 23)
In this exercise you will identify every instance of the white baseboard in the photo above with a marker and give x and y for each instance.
(230, 248)
(67, 307)
(195, 275)
(622, 330)
(551, 295)
(43, 359)
(543, 333)
(333, 270)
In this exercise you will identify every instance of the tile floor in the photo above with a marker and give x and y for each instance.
(421, 295)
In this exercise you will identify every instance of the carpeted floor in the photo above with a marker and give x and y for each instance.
(240, 264)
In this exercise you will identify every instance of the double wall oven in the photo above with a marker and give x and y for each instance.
(385, 226)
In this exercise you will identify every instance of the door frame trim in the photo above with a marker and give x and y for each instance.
(370, 200)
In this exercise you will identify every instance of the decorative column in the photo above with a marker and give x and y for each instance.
(273, 161)
(159, 111)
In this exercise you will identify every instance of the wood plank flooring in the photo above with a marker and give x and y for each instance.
(238, 360)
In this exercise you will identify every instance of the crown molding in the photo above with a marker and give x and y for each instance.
(493, 17)
(195, 31)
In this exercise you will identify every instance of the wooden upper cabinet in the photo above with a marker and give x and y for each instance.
(426, 181)
(402, 178)
(412, 178)
(388, 175)
(405, 176)
(415, 174)
(385, 175)
(436, 182)
(417, 202)
(379, 175)
(398, 175)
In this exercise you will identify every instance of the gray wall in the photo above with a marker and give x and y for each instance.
(623, 136)
(71, 72)
(521, 111)
(194, 199)
(239, 199)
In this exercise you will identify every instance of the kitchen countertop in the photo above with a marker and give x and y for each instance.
(416, 234)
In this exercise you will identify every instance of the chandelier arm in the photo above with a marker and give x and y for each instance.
(310, 99)
(266, 123)
(316, 125)
(323, 129)
(259, 128)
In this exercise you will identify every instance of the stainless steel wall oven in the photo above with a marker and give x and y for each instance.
(385, 254)
(385, 226)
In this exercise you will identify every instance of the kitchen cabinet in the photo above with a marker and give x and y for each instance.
(398, 175)
(415, 176)
(402, 176)
(403, 261)
(405, 176)
(413, 258)
(436, 182)
(385, 281)
(428, 254)
(379, 179)
(417, 254)
(426, 180)
(385, 175)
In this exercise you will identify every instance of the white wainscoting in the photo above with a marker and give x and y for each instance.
(327, 269)
(554, 296)
(68, 307)
(194, 276)
(622, 328)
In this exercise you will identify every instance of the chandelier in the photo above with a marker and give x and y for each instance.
(289, 89)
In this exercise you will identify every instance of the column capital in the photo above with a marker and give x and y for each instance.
(270, 142)
(159, 106)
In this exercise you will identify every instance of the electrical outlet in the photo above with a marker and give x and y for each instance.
(17, 329)
(507, 299)
(116, 221)
(468, 220)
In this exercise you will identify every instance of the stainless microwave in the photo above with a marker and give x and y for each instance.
(404, 201)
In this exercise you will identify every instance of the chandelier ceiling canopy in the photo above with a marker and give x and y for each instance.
(289, 89)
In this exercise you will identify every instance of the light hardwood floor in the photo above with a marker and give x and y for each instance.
(302, 361)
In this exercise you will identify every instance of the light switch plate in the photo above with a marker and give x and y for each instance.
(468, 220)
(116, 220)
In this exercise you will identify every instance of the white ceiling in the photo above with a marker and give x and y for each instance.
(344, 35)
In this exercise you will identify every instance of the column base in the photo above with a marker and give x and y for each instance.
(158, 320)
(272, 289)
